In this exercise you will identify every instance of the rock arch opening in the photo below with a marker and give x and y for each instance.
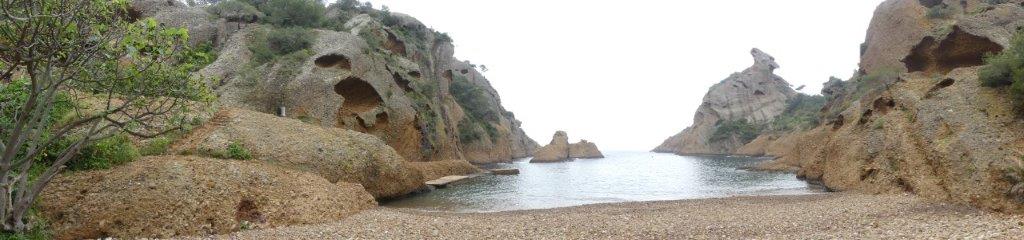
(359, 96)
(333, 60)
(958, 49)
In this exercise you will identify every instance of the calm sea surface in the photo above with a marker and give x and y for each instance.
(621, 177)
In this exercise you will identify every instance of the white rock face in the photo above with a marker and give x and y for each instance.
(756, 95)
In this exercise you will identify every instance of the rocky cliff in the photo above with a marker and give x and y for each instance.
(397, 80)
(560, 150)
(731, 108)
(915, 118)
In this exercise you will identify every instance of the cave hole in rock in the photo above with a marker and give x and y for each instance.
(958, 49)
(464, 71)
(883, 104)
(360, 97)
(248, 211)
(333, 60)
(402, 82)
(448, 75)
(394, 44)
(415, 74)
(838, 122)
(864, 117)
(758, 92)
(939, 86)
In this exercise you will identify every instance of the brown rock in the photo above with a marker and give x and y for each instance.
(585, 150)
(172, 196)
(755, 95)
(336, 154)
(560, 150)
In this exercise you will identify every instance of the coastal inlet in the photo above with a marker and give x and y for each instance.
(621, 177)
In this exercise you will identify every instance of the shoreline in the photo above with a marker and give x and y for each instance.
(824, 215)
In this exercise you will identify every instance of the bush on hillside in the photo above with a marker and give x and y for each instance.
(741, 129)
(941, 11)
(1006, 69)
(291, 13)
(802, 113)
(276, 42)
(236, 11)
(107, 153)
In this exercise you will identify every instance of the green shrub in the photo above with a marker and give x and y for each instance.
(742, 129)
(941, 11)
(156, 147)
(106, 153)
(1006, 69)
(468, 132)
(275, 42)
(236, 11)
(235, 150)
(290, 13)
(802, 112)
(473, 99)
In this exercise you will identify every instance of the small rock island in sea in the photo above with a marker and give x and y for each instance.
(560, 150)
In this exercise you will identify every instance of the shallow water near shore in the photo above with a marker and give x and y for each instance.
(620, 177)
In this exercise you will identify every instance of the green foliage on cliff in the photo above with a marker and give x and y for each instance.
(267, 45)
(235, 10)
(473, 99)
(741, 129)
(941, 11)
(802, 113)
(1007, 69)
(289, 13)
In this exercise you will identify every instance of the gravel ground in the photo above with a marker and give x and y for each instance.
(820, 216)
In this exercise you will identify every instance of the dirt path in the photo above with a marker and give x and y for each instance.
(773, 217)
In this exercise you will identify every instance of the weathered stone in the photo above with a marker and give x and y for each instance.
(755, 95)
(168, 196)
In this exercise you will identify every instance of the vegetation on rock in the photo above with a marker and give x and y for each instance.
(741, 129)
(1007, 69)
(802, 113)
(137, 73)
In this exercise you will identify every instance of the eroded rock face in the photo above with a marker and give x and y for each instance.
(560, 150)
(339, 155)
(161, 197)
(379, 81)
(934, 132)
(755, 95)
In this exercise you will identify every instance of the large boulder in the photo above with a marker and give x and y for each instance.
(560, 150)
(754, 96)
(584, 150)
(161, 197)
(336, 154)
(557, 150)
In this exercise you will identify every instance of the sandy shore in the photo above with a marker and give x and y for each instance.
(835, 215)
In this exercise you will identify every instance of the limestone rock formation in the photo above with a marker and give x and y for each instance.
(927, 128)
(754, 96)
(560, 150)
(584, 150)
(399, 82)
(336, 154)
(161, 197)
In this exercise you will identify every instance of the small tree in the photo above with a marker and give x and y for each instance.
(302, 13)
(120, 77)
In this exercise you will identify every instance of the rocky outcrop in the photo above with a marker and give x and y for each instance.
(930, 128)
(560, 150)
(336, 154)
(584, 150)
(754, 96)
(400, 83)
(161, 197)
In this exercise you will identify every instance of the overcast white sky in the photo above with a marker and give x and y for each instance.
(628, 74)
